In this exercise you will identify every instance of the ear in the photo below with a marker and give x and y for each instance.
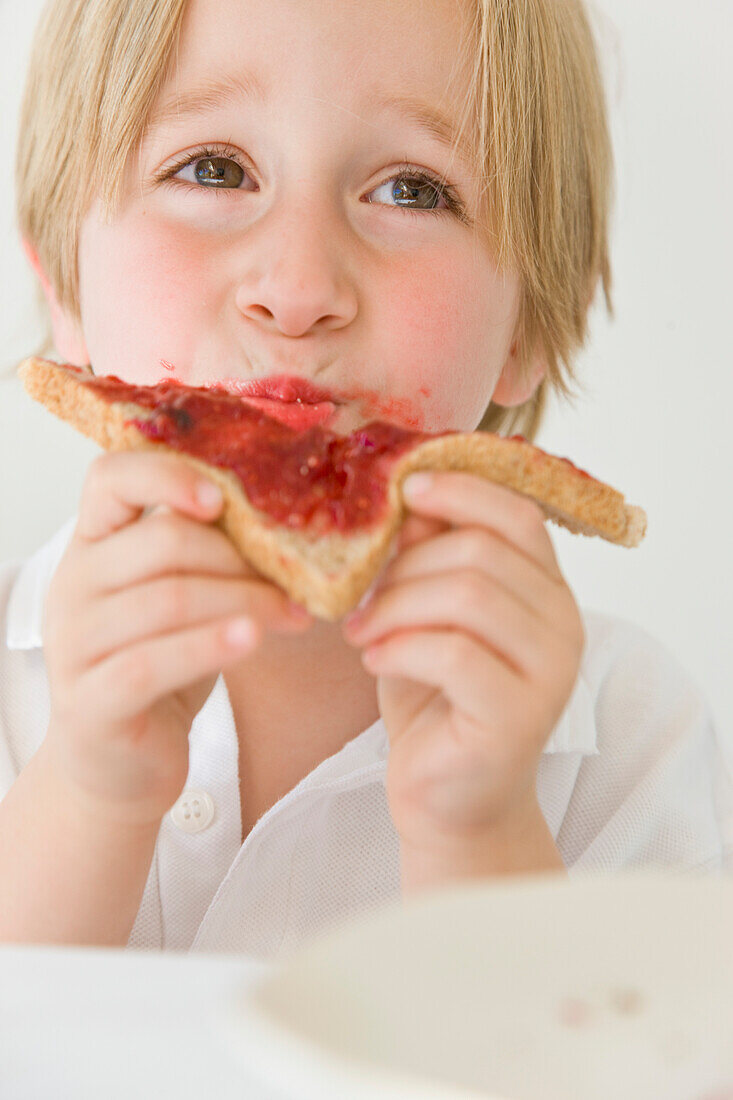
(515, 386)
(68, 337)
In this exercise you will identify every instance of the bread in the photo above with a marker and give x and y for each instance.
(328, 571)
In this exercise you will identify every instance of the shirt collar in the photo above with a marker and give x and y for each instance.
(576, 729)
(28, 595)
(574, 732)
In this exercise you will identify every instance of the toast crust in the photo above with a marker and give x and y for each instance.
(330, 573)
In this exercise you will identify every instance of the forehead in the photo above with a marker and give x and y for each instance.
(347, 52)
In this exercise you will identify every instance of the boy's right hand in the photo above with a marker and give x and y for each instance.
(135, 632)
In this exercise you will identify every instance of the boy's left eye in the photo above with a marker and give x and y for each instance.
(416, 191)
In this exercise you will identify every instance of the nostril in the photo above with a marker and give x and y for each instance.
(259, 312)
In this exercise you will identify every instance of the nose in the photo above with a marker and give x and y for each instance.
(297, 279)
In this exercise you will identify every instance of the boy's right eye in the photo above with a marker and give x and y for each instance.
(210, 168)
(212, 172)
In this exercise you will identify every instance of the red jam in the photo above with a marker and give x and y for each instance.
(565, 460)
(312, 478)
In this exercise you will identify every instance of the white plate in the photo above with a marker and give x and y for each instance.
(602, 988)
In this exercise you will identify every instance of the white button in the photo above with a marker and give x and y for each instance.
(193, 812)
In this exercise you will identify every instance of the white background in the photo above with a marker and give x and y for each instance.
(658, 380)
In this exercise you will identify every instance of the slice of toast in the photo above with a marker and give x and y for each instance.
(329, 571)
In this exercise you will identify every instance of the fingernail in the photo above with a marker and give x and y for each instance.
(241, 632)
(359, 614)
(209, 495)
(299, 613)
(416, 484)
(368, 596)
(353, 620)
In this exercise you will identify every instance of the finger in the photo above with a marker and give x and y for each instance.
(468, 601)
(477, 685)
(160, 544)
(473, 680)
(416, 529)
(121, 484)
(170, 604)
(132, 679)
(464, 499)
(477, 548)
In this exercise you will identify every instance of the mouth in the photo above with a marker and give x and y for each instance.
(295, 414)
(293, 401)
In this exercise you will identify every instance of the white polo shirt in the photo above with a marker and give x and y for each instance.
(633, 775)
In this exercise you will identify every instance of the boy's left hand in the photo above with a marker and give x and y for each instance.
(476, 641)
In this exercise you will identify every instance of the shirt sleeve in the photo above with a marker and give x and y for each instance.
(8, 764)
(659, 792)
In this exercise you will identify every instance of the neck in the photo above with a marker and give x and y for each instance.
(296, 701)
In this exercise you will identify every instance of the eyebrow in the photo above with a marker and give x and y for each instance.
(213, 94)
(205, 97)
(427, 118)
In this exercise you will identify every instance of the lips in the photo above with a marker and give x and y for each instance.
(281, 387)
(295, 414)
(293, 401)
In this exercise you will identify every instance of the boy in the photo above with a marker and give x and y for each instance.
(418, 228)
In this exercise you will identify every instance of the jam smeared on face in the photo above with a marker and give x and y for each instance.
(312, 478)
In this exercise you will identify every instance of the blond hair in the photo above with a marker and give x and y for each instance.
(534, 117)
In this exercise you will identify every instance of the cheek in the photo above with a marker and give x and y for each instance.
(142, 303)
(446, 331)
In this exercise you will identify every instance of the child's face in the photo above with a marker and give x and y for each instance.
(287, 267)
